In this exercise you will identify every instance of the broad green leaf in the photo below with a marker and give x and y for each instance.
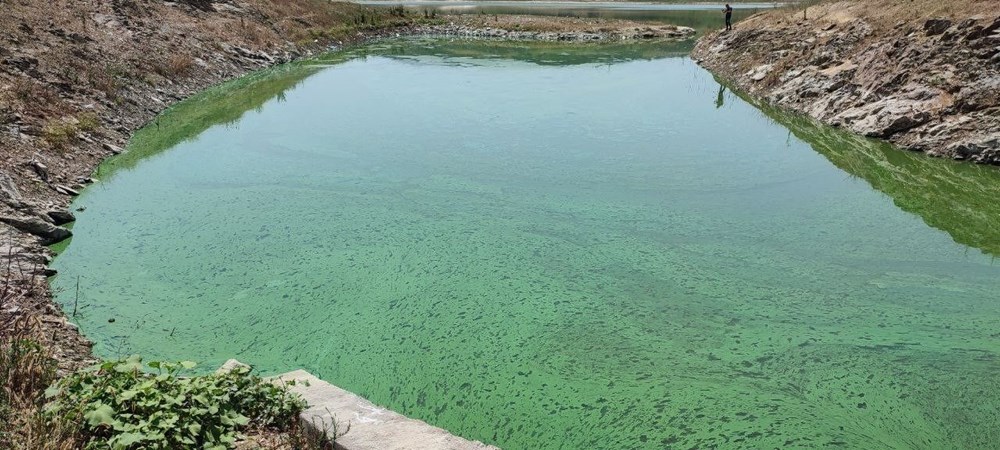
(127, 439)
(53, 391)
(241, 420)
(101, 415)
(128, 366)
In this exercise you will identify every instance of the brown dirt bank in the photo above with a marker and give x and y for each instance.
(922, 74)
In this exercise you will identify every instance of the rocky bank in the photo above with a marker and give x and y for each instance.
(926, 77)
(541, 28)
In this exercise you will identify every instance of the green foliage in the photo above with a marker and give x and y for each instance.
(118, 405)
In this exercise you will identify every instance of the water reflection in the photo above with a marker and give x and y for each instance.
(478, 51)
(955, 197)
(721, 98)
(221, 105)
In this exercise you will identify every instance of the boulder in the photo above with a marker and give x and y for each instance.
(8, 191)
(760, 72)
(41, 170)
(936, 26)
(49, 233)
(112, 148)
(61, 216)
(884, 118)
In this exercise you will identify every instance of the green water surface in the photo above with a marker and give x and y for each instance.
(552, 246)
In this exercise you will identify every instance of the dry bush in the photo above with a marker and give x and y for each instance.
(28, 92)
(256, 34)
(26, 370)
(177, 65)
(88, 121)
(33, 99)
(60, 133)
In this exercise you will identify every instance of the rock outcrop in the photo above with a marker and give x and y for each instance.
(930, 84)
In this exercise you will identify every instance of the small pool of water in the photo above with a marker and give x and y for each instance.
(554, 246)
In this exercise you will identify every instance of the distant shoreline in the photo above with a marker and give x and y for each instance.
(600, 4)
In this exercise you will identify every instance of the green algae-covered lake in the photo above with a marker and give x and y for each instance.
(554, 246)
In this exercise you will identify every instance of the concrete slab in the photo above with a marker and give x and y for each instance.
(362, 425)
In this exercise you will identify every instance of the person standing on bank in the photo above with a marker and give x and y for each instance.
(729, 17)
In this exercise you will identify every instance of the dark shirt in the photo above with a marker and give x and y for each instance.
(729, 12)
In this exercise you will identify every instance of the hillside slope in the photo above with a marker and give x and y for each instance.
(922, 74)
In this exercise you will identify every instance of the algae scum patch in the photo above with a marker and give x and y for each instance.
(544, 246)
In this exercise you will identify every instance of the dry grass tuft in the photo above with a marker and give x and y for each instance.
(882, 14)
(26, 369)
(60, 133)
(175, 66)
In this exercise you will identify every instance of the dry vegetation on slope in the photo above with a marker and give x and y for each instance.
(923, 74)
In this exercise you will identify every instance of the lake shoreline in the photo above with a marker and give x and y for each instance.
(37, 190)
(922, 77)
(59, 131)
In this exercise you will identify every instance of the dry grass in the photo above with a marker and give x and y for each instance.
(297, 438)
(25, 93)
(175, 66)
(882, 14)
(60, 133)
(26, 369)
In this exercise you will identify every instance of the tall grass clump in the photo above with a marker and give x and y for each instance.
(26, 368)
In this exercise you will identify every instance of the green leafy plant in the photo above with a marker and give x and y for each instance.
(118, 405)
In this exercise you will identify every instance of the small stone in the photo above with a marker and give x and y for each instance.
(65, 190)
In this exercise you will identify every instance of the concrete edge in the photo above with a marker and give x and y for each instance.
(358, 424)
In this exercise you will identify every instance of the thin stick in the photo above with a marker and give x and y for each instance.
(76, 301)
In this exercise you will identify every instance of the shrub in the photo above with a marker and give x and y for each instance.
(176, 65)
(60, 133)
(88, 121)
(26, 367)
(118, 405)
